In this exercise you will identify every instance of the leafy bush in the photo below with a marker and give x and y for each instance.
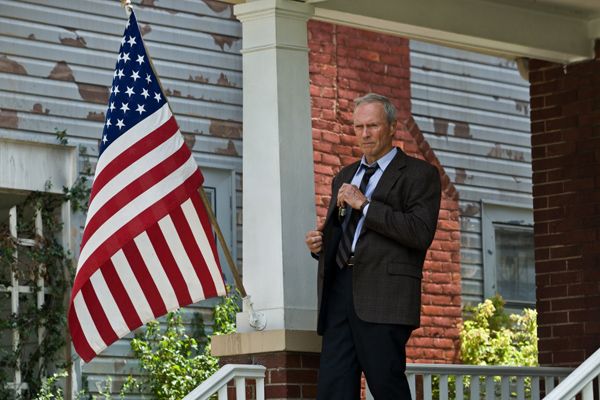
(175, 362)
(491, 337)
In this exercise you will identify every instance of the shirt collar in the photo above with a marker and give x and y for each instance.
(383, 162)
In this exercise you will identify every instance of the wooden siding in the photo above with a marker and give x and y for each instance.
(474, 112)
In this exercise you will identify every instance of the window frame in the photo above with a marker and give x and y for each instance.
(502, 213)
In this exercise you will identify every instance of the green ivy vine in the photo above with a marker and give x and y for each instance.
(42, 330)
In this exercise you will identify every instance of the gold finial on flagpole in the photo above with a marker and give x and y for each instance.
(126, 4)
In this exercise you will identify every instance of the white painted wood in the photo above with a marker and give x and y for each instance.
(240, 388)
(459, 387)
(260, 389)
(427, 387)
(505, 388)
(475, 387)
(549, 36)
(412, 385)
(222, 393)
(535, 388)
(489, 388)
(520, 388)
(278, 204)
(444, 387)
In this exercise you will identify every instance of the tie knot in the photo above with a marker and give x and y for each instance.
(369, 171)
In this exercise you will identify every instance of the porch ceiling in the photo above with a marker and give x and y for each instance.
(554, 30)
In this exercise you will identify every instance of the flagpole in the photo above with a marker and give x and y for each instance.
(257, 320)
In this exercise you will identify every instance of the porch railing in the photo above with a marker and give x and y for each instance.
(458, 382)
(217, 383)
(581, 381)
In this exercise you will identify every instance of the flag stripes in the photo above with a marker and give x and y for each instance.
(136, 274)
(147, 247)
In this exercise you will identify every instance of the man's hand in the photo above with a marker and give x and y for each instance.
(351, 195)
(314, 240)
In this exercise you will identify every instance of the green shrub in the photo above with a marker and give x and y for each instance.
(175, 362)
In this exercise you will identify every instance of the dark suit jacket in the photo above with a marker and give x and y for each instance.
(398, 229)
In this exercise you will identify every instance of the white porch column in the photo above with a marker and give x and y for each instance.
(278, 180)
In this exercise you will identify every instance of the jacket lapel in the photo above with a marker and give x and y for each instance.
(391, 174)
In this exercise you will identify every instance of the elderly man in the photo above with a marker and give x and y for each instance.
(380, 222)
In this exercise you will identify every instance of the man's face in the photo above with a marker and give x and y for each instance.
(374, 132)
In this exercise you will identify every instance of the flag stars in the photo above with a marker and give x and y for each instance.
(115, 90)
(120, 74)
(148, 79)
(112, 106)
(125, 57)
(104, 139)
(130, 91)
(140, 59)
(140, 109)
(157, 97)
(145, 93)
(108, 124)
(122, 40)
(135, 75)
(120, 123)
(131, 40)
(124, 108)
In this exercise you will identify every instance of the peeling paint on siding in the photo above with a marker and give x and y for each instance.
(221, 41)
(230, 150)
(75, 42)
(94, 93)
(225, 129)
(94, 116)
(145, 29)
(198, 78)
(8, 119)
(470, 210)
(499, 152)
(11, 66)
(62, 72)
(189, 139)
(440, 126)
(461, 129)
(461, 175)
(216, 6)
(223, 81)
(39, 109)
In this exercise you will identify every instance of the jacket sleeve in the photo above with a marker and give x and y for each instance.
(413, 226)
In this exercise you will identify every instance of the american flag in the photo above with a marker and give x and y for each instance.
(147, 246)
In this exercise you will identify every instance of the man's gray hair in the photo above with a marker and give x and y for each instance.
(388, 107)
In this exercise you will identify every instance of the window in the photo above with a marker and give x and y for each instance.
(508, 254)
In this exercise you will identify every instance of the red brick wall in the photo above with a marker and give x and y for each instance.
(289, 375)
(565, 126)
(346, 63)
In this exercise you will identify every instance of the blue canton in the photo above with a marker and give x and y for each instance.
(135, 92)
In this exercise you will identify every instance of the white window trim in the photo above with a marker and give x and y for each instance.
(503, 213)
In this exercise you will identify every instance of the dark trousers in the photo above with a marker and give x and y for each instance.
(351, 345)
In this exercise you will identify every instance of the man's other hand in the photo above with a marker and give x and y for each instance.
(314, 241)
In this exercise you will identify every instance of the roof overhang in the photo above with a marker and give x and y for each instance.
(561, 31)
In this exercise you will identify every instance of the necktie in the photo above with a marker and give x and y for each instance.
(345, 247)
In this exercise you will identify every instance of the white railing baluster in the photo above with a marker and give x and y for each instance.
(459, 387)
(535, 388)
(260, 388)
(505, 388)
(475, 387)
(443, 387)
(412, 384)
(490, 388)
(217, 383)
(588, 391)
(548, 384)
(240, 388)
(520, 388)
(427, 395)
(222, 393)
